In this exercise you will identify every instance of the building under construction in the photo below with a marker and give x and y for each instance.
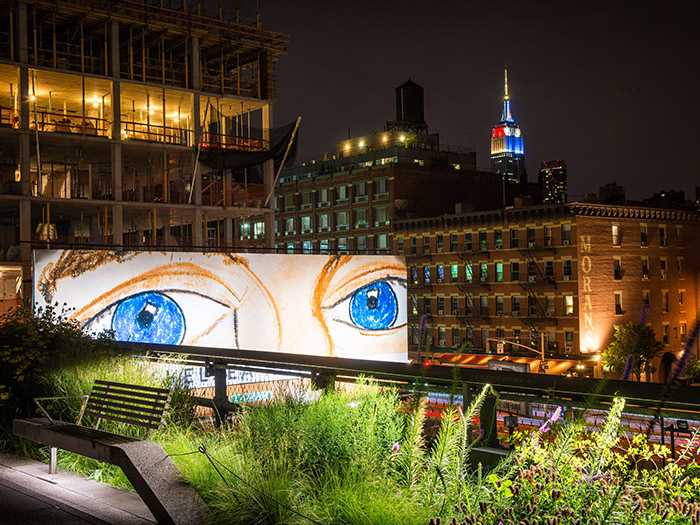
(132, 125)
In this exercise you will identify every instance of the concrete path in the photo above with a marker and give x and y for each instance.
(29, 494)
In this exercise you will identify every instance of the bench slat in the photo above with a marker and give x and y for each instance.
(154, 407)
(112, 412)
(123, 391)
(134, 387)
(155, 425)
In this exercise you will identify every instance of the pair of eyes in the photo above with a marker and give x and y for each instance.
(163, 316)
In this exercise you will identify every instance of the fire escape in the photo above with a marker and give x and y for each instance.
(537, 281)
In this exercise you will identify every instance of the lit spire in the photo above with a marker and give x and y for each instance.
(506, 115)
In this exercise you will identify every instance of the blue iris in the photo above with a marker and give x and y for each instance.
(149, 317)
(374, 307)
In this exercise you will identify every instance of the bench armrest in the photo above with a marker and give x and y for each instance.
(43, 411)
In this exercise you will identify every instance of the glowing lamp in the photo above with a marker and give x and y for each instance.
(32, 98)
(426, 363)
(347, 147)
(362, 143)
(402, 138)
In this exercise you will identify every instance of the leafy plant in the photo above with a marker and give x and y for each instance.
(637, 340)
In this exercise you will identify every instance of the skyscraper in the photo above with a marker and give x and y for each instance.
(507, 153)
(552, 181)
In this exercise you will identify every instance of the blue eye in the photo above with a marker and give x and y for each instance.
(149, 317)
(374, 307)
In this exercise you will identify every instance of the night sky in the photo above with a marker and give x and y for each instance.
(610, 87)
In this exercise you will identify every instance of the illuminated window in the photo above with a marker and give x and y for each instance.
(568, 305)
(499, 272)
(258, 230)
(290, 247)
(290, 226)
(324, 246)
(469, 304)
(454, 271)
(382, 242)
(682, 329)
(381, 216)
(514, 271)
(482, 241)
(645, 297)
(414, 275)
(468, 241)
(426, 274)
(483, 272)
(468, 272)
(615, 235)
(306, 226)
(664, 334)
(341, 194)
(438, 243)
(306, 247)
(414, 305)
(566, 234)
(441, 336)
(498, 239)
(342, 220)
(342, 245)
(643, 235)
(548, 240)
(662, 235)
(618, 303)
(513, 237)
(453, 242)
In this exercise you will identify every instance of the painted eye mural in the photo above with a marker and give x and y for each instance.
(374, 307)
(149, 317)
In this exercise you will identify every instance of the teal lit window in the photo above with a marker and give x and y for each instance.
(499, 272)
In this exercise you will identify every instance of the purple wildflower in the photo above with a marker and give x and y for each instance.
(555, 417)
(395, 448)
(399, 494)
(629, 367)
(682, 365)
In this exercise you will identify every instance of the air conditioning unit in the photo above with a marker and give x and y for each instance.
(566, 277)
(515, 313)
(439, 281)
(441, 343)
(455, 312)
(483, 279)
(531, 278)
(548, 313)
(566, 242)
(441, 312)
(498, 246)
(531, 244)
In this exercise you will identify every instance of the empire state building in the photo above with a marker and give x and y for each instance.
(507, 153)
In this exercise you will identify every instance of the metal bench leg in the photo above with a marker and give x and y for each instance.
(53, 453)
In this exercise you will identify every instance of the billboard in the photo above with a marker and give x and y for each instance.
(332, 305)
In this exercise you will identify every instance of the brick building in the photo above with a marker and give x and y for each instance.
(570, 272)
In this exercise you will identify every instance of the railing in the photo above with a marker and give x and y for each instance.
(232, 142)
(57, 122)
(156, 133)
(9, 117)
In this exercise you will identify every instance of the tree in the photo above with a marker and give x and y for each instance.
(637, 340)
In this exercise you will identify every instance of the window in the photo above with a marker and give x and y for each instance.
(664, 301)
(531, 270)
(499, 272)
(664, 269)
(514, 271)
(470, 334)
(498, 239)
(414, 275)
(484, 306)
(415, 334)
(549, 305)
(455, 337)
(531, 237)
(361, 243)
(361, 218)
(645, 297)
(453, 242)
(643, 235)
(426, 305)
(616, 235)
(568, 305)
(515, 305)
(548, 241)
(306, 247)
(441, 305)
(483, 272)
(499, 305)
(291, 248)
(681, 297)
(566, 234)
(341, 194)
(306, 224)
(360, 192)
(289, 202)
(617, 269)
(664, 334)
(324, 222)
(382, 242)
(441, 273)
(413, 245)
(258, 230)
(278, 199)
(618, 303)
(468, 241)
(569, 339)
(645, 268)
(438, 243)
(500, 333)
(324, 246)
(426, 244)
(682, 329)
(549, 270)
(399, 245)
(531, 305)
(342, 245)
(680, 265)
(517, 335)
(662, 235)
(381, 188)
(468, 272)
(551, 340)
(485, 338)
(482, 241)
(513, 237)
(469, 304)
(305, 197)
(454, 305)
(441, 336)
(381, 216)
(342, 220)
(679, 235)
(566, 269)
(426, 274)
(290, 226)
(322, 198)
(414, 305)
(454, 271)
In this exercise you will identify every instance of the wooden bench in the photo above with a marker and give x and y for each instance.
(149, 469)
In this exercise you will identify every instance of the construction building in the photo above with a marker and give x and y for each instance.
(552, 182)
(114, 120)
(347, 202)
(559, 274)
